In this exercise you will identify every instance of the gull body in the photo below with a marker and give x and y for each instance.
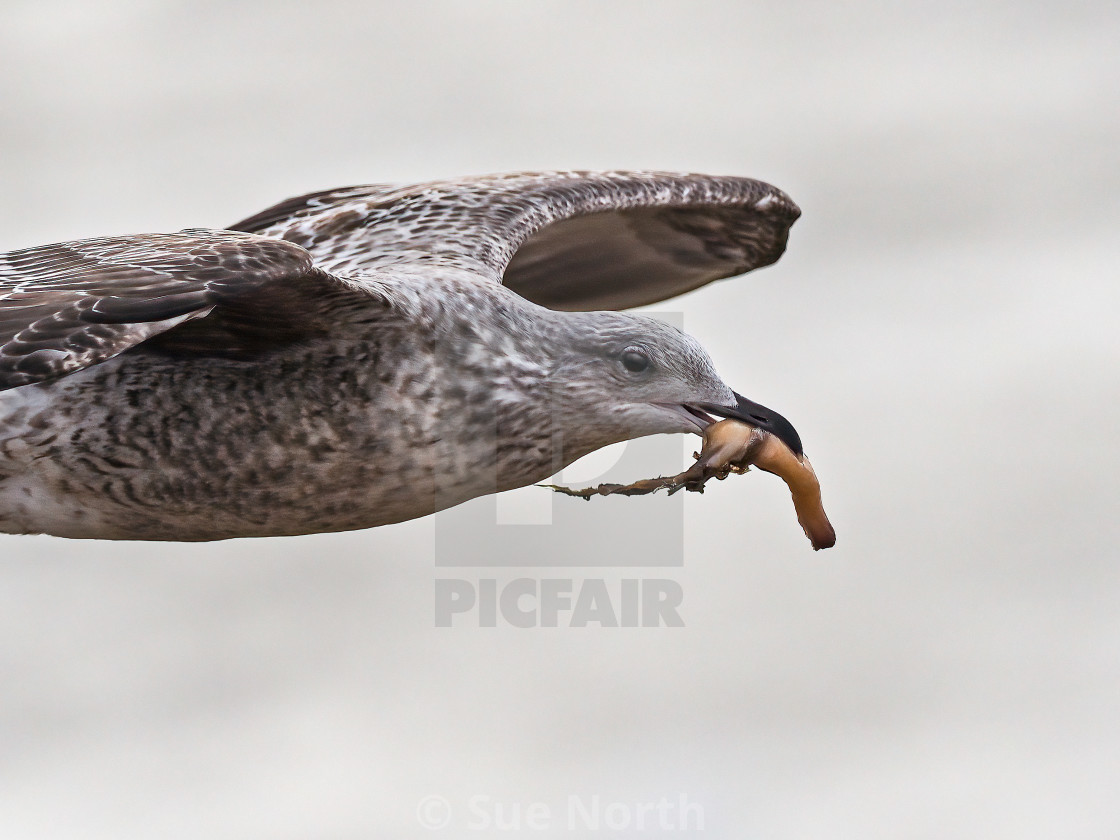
(302, 375)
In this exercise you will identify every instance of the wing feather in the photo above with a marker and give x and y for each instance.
(568, 240)
(67, 306)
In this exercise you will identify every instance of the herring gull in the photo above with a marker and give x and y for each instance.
(364, 355)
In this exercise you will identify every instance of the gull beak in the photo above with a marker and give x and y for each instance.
(760, 417)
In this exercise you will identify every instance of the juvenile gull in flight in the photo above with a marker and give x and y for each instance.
(365, 355)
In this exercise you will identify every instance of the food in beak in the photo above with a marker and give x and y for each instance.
(732, 446)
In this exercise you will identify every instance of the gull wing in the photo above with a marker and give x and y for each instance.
(65, 307)
(566, 240)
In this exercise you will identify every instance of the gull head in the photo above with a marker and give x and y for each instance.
(617, 376)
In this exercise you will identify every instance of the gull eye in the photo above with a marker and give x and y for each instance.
(634, 360)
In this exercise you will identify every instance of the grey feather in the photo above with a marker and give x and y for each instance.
(67, 306)
(566, 240)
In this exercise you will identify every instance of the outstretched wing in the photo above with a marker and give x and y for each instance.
(567, 240)
(68, 306)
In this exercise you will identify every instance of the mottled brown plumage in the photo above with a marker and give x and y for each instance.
(351, 358)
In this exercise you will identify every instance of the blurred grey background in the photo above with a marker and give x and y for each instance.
(942, 330)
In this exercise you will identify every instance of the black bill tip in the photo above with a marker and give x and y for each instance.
(761, 417)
